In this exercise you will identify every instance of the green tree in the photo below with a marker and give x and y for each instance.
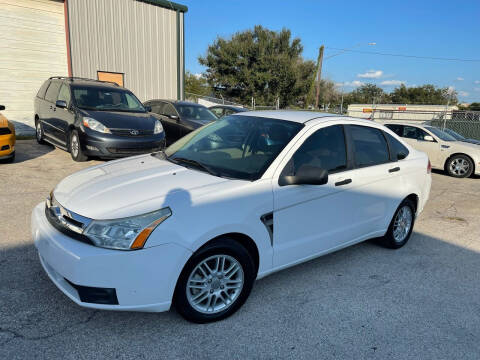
(367, 94)
(259, 63)
(425, 94)
(196, 84)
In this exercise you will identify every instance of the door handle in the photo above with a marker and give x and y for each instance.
(343, 182)
(394, 169)
(51, 107)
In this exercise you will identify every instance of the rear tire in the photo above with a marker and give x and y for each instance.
(75, 147)
(212, 292)
(39, 132)
(460, 166)
(401, 226)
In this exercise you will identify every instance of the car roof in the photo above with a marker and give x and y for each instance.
(86, 82)
(176, 102)
(289, 115)
(222, 106)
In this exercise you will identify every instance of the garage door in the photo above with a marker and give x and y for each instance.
(32, 48)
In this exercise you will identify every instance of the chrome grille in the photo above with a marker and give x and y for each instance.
(62, 218)
(131, 132)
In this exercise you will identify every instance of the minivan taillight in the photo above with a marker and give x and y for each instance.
(429, 167)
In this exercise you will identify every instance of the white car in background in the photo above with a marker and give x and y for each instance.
(231, 202)
(458, 158)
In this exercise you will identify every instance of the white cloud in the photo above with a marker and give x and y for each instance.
(451, 89)
(460, 78)
(371, 74)
(392, 82)
(354, 83)
(463, 94)
(198, 75)
(477, 81)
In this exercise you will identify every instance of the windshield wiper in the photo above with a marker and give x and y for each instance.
(194, 163)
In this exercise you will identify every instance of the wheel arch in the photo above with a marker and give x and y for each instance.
(414, 198)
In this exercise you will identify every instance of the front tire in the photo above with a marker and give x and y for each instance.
(215, 282)
(460, 166)
(75, 147)
(401, 226)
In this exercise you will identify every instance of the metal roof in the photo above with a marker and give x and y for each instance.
(167, 5)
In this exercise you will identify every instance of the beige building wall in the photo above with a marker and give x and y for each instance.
(32, 48)
(132, 37)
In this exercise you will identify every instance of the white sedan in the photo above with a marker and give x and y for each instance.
(231, 202)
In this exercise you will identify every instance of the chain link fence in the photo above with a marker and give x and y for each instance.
(212, 101)
(465, 123)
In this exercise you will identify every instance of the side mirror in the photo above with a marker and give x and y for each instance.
(428, 138)
(401, 156)
(173, 117)
(61, 104)
(306, 175)
(148, 108)
(2, 107)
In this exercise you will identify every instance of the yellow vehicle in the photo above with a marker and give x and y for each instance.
(7, 138)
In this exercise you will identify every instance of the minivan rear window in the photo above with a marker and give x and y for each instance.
(52, 91)
(43, 89)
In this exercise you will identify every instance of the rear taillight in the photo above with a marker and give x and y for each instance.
(429, 167)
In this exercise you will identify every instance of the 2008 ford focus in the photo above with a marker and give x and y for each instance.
(233, 201)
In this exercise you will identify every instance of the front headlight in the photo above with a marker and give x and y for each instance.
(158, 127)
(128, 233)
(95, 125)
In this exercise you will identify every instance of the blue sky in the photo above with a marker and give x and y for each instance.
(425, 28)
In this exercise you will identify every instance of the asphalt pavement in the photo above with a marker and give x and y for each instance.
(364, 302)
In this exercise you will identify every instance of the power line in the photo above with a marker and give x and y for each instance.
(403, 55)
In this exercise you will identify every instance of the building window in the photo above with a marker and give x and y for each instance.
(110, 76)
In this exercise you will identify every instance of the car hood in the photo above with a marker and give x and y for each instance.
(135, 186)
(464, 146)
(122, 120)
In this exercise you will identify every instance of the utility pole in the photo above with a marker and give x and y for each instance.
(318, 76)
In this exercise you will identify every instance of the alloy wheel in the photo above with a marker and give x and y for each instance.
(402, 224)
(215, 284)
(74, 145)
(459, 166)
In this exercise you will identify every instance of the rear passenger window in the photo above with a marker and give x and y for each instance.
(52, 91)
(324, 149)
(370, 146)
(397, 129)
(43, 89)
(397, 150)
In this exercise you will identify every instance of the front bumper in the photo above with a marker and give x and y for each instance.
(143, 280)
(7, 146)
(114, 146)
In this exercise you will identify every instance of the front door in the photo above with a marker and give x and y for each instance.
(311, 219)
(416, 137)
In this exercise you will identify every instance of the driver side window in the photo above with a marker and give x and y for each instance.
(412, 132)
(324, 149)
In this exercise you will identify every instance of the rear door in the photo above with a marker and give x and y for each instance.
(377, 189)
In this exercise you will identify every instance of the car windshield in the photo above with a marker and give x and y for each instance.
(240, 147)
(454, 134)
(106, 99)
(440, 133)
(195, 112)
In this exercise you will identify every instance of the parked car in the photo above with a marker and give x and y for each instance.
(180, 117)
(224, 110)
(459, 159)
(459, 137)
(235, 200)
(7, 138)
(94, 118)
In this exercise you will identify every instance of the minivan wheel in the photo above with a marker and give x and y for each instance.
(401, 226)
(75, 147)
(460, 166)
(39, 132)
(215, 282)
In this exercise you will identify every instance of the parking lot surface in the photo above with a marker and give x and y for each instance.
(419, 302)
